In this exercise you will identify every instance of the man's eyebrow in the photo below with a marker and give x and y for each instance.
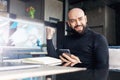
(80, 17)
(71, 19)
(77, 18)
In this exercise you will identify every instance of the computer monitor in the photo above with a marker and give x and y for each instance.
(4, 31)
(21, 34)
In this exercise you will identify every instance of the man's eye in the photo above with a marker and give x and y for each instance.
(80, 19)
(72, 20)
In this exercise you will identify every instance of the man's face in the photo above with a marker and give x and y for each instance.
(77, 20)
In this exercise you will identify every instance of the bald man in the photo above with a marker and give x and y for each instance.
(88, 48)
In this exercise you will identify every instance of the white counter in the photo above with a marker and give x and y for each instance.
(43, 70)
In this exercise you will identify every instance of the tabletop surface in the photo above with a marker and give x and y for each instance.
(42, 70)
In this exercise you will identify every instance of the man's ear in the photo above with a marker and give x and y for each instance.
(68, 23)
(86, 18)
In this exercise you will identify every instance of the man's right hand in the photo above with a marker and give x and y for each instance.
(69, 59)
(50, 32)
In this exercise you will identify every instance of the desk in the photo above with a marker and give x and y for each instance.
(43, 70)
(45, 53)
(21, 50)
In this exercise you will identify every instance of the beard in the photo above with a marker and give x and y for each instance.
(70, 30)
(80, 31)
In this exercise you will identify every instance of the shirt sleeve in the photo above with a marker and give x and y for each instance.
(51, 49)
(101, 53)
(101, 58)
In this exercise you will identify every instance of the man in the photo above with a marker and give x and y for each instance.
(88, 48)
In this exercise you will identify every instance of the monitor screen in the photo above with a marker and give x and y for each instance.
(21, 33)
(4, 31)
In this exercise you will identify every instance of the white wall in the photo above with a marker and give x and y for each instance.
(53, 8)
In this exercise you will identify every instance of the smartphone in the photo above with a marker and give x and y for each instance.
(64, 51)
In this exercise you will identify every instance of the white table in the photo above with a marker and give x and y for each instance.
(43, 70)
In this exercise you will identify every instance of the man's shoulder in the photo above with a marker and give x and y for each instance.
(96, 34)
(98, 38)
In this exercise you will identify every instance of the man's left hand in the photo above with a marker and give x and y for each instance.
(69, 58)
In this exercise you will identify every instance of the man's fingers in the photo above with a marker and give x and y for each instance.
(69, 58)
(50, 29)
(49, 32)
(63, 59)
(67, 64)
(72, 64)
(74, 57)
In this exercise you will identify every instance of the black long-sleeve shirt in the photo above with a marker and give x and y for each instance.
(90, 47)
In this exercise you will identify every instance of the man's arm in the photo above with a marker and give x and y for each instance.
(50, 47)
(102, 59)
(101, 53)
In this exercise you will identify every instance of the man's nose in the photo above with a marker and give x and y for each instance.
(78, 22)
